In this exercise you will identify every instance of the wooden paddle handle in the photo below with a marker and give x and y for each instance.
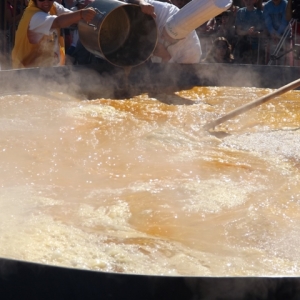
(253, 104)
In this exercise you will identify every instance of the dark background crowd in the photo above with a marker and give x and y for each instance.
(257, 31)
(250, 32)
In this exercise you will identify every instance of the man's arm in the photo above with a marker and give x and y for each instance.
(67, 19)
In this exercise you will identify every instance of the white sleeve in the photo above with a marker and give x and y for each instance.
(194, 14)
(163, 11)
(187, 50)
(41, 23)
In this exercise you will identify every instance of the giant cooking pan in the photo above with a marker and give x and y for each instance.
(90, 79)
(27, 280)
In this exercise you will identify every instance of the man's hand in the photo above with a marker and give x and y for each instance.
(147, 9)
(162, 52)
(88, 14)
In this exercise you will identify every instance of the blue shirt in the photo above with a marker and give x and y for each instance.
(274, 16)
(249, 18)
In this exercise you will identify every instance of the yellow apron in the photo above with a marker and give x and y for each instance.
(25, 54)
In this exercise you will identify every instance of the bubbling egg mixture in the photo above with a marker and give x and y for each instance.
(137, 186)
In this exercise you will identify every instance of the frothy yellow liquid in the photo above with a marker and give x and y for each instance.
(137, 186)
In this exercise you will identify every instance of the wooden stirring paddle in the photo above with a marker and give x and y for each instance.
(253, 104)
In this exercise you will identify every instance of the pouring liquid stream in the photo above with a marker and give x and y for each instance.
(127, 71)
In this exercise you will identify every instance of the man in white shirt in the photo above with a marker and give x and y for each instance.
(38, 40)
(185, 51)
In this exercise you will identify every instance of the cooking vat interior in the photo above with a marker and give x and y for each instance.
(134, 185)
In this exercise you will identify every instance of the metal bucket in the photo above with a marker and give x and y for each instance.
(119, 33)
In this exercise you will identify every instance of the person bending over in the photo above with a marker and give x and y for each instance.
(38, 42)
(185, 51)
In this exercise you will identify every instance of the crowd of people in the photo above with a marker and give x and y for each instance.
(248, 32)
(259, 32)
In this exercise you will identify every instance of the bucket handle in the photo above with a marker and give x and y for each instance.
(99, 13)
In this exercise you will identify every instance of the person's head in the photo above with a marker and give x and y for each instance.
(225, 16)
(221, 49)
(44, 5)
